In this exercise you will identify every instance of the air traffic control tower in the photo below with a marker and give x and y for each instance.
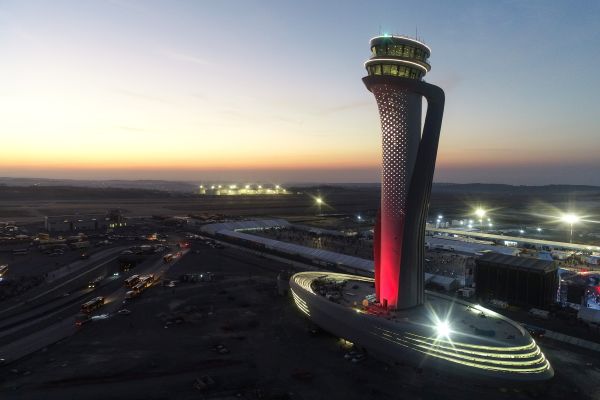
(392, 317)
(395, 72)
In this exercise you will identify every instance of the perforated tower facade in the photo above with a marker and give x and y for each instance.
(395, 72)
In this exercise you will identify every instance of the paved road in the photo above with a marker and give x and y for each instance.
(60, 324)
(43, 293)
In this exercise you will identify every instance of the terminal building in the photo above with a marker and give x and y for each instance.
(521, 281)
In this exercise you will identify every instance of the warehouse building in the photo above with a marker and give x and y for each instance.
(85, 222)
(517, 280)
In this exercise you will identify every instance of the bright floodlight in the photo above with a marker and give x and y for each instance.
(319, 200)
(480, 212)
(570, 218)
(443, 328)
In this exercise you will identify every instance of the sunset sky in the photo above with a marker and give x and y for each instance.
(272, 91)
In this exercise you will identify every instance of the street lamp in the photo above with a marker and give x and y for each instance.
(319, 202)
(570, 219)
(480, 212)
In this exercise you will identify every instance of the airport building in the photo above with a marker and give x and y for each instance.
(240, 190)
(85, 222)
(521, 281)
(392, 316)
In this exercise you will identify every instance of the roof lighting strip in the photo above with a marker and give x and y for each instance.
(479, 353)
(543, 368)
(404, 38)
(530, 346)
(435, 349)
(301, 304)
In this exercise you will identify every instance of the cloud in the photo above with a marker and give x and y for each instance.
(448, 80)
(344, 107)
(185, 57)
(143, 96)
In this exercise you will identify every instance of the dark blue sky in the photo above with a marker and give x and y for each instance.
(271, 89)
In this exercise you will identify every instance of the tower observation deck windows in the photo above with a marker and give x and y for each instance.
(395, 70)
(399, 50)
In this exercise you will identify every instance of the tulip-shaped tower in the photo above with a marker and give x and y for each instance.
(395, 72)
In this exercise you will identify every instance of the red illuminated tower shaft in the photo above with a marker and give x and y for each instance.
(395, 72)
(400, 113)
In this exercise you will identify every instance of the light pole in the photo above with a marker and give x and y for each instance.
(570, 219)
(319, 202)
(480, 212)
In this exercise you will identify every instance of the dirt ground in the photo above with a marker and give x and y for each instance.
(172, 338)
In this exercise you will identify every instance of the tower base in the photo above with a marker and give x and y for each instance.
(444, 333)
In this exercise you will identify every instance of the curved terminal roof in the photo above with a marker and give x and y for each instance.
(340, 260)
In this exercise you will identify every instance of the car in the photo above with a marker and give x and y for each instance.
(535, 331)
(82, 319)
(124, 311)
(99, 317)
(84, 256)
